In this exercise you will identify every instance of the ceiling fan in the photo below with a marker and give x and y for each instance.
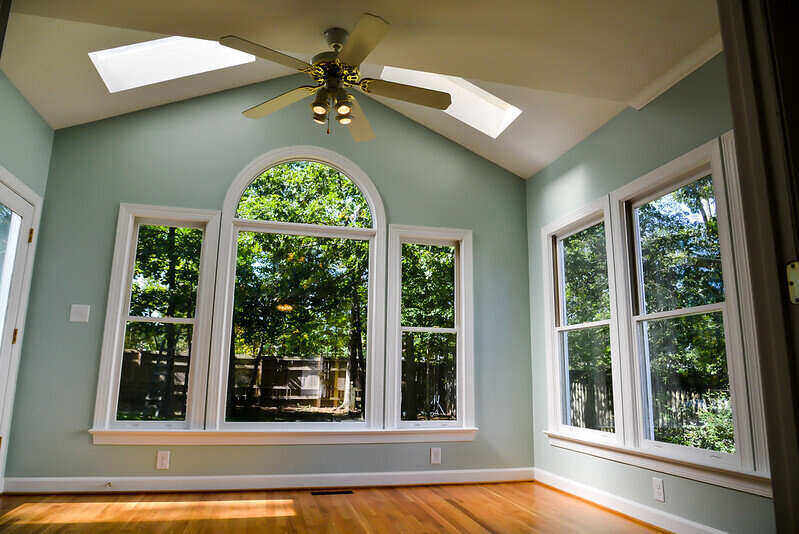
(335, 71)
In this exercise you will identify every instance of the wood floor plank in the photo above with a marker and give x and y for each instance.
(502, 508)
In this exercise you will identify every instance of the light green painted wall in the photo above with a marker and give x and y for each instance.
(25, 139)
(187, 154)
(628, 146)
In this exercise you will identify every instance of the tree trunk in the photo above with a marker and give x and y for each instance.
(357, 363)
(409, 396)
(168, 407)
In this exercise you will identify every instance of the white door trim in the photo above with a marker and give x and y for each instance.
(18, 317)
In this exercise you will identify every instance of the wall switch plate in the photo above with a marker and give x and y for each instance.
(79, 313)
(435, 455)
(657, 490)
(162, 460)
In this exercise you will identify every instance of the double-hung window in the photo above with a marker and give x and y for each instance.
(582, 334)
(154, 325)
(645, 347)
(429, 343)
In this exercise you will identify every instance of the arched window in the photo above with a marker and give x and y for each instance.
(297, 282)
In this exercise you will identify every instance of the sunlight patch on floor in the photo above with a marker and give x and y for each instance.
(133, 512)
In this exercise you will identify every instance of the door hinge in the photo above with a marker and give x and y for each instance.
(30, 235)
(792, 275)
(14, 337)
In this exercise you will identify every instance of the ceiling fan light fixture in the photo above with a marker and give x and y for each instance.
(344, 119)
(320, 105)
(320, 118)
(343, 105)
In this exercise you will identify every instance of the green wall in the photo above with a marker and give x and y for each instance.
(631, 144)
(187, 154)
(25, 139)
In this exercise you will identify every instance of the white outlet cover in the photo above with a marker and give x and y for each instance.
(79, 313)
(435, 455)
(657, 490)
(162, 460)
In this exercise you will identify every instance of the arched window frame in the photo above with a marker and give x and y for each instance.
(225, 286)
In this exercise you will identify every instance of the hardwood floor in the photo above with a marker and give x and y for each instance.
(499, 508)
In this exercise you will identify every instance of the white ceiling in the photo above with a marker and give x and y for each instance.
(569, 68)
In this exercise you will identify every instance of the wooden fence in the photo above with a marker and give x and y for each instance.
(592, 406)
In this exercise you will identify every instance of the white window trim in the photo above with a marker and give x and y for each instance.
(595, 212)
(747, 469)
(464, 327)
(223, 308)
(130, 217)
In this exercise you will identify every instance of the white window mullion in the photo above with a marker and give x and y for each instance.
(429, 329)
(165, 320)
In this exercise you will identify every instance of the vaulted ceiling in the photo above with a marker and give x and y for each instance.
(570, 66)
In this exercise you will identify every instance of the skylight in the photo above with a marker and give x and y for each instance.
(140, 64)
(470, 104)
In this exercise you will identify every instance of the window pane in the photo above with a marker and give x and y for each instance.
(586, 295)
(298, 348)
(305, 192)
(166, 271)
(155, 372)
(587, 369)
(679, 245)
(690, 388)
(10, 224)
(429, 390)
(428, 285)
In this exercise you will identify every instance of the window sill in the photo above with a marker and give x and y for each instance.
(277, 437)
(749, 482)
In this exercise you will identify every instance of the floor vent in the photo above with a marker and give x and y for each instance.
(332, 492)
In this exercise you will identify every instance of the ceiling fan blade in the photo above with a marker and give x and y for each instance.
(368, 33)
(360, 128)
(263, 52)
(408, 93)
(279, 102)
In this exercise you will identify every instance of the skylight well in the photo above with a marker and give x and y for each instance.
(140, 64)
(470, 104)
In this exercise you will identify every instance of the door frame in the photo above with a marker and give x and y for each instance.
(20, 314)
(757, 37)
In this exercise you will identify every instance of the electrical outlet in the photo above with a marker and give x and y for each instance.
(435, 455)
(657, 490)
(162, 460)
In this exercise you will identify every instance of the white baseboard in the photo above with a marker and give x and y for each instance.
(644, 513)
(253, 482)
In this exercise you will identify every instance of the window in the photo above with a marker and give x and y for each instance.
(130, 66)
(680, 318)
(584, 329)
(582, 335)
(155, 349)
(300, 305)
(470, 104)
(429, 342)
(644, 296)
(288, 346)
(160, 326)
